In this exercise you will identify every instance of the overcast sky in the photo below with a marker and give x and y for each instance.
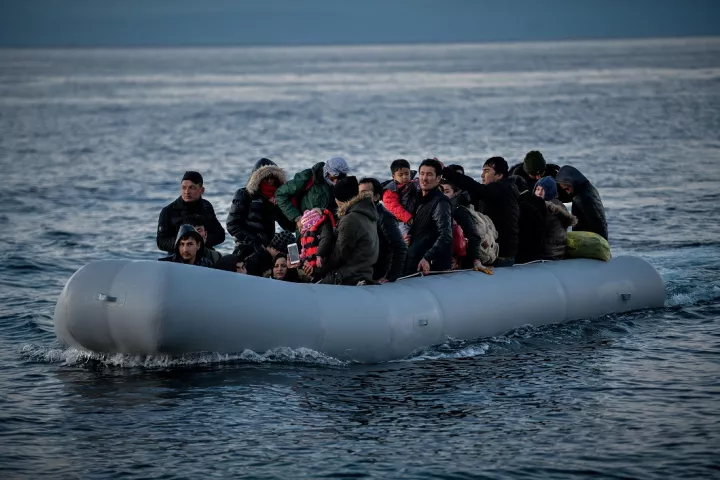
(280, 22)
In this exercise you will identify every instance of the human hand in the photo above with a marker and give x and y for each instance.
(383, 280)
(406, 237)
(318, 262)
(424, 267)
(273, 200)
(307, 268)
(299, 225)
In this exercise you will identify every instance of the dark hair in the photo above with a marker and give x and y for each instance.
(435, 164)
(194, 177)
(377, 188)
(498, 164)
(196, 220)
(290, 276)
(457, 168)
(398, 164)
(445, 181)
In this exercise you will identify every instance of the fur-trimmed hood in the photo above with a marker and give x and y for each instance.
(560, 210)
(260, 174)
(361, 203)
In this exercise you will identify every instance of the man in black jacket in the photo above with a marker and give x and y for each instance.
(393, 249)
(188, 248)
(189, 203)
(496, 197)
(586, 203)
(254, 211)
(430, 235)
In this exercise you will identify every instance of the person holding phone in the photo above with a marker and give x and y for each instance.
(262, 260)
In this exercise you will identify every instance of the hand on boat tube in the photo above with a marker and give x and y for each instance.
(424, 267)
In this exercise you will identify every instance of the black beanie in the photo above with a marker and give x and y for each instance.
(281, 240)
(534, 163)
(194, 177)
(346, 188)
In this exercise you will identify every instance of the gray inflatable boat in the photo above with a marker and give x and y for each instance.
(151, 308)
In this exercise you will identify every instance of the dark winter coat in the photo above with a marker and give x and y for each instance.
(252, 217)
(176, 214)
(499, 201)
(393, 250)
(259, 262)
(356, 245)
(532, 226)
(528, 183)
(202, 258)
(467, 220)
(586, 203)
(558, 221)
(431, 233)
(307, 190)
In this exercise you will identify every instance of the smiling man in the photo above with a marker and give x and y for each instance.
(189, 203)
(430, 236)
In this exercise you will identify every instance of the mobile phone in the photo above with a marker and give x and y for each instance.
(293, 255)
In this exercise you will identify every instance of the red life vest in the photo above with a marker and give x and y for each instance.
(310, 240)
(459, 245)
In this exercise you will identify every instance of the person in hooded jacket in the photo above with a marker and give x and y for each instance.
(357, 245)
(430, 237)
(393, 249)
(558, 220)
(496, 197)
(466, 219)
(532, 169)
(532, 224)
(587, 206)
(189, 246)
(190, 202)
(198, 222)
(254, 209)
(311, 188)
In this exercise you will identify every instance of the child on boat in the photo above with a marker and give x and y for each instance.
(401, 195)
(317, 237)
(558, 219)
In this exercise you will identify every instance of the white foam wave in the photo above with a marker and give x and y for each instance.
(78, 357)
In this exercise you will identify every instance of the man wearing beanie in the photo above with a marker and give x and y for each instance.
(587, 206)
(357, 245)
(311, 188)
(190, 202)
(532, 169)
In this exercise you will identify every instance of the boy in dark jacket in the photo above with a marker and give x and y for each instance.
(558, 220)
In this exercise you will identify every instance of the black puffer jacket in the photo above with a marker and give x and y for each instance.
(586, 203)
(529, 183)
(558, 221)
(431, 233)
(393, 250)
(531, 227)
(176, 214)
(357, 244)
(467, 220)
(499, 201)
(252, 217)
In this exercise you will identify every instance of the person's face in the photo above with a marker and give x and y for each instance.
(188, 248)
(203, 233)
(448, 191)
(566, 188)
(280, 269)
(539, 192)
(190, 191)
(489, 175)
(402, 176)
(367, 187)
(240, 267)
(335, 178)
(270, 181)
(428, 178)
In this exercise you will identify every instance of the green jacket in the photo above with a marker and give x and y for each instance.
(319, 195)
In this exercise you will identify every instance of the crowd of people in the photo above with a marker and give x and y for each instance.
(360, 232)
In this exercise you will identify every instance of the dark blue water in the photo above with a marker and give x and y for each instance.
(93, 144)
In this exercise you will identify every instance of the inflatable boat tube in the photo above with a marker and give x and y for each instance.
(151, 308)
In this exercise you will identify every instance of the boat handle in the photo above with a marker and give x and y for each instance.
(107, 298)
(422, 322)
(625, 296)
